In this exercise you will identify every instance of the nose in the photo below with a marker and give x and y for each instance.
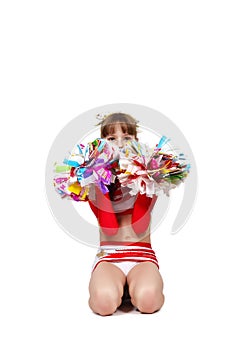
(120, 142)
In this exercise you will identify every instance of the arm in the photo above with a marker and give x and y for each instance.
(104, 213)
(106, 216)
(141, 215)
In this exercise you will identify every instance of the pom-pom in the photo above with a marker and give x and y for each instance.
(94, 164)
(141, 169)
(153, 171)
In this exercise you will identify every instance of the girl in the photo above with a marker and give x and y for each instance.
(125, 256)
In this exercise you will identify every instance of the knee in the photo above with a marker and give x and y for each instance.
(148, 299)
(104, 302)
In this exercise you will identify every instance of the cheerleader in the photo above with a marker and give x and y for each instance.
(121, 179)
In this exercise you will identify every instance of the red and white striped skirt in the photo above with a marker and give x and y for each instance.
(125, 255)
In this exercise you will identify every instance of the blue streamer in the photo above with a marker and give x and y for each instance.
(80, 149)
(71, 163)
(162, 141)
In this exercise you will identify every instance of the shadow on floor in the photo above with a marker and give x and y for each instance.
(126, 305)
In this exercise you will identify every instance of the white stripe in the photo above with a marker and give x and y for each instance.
(126, 247)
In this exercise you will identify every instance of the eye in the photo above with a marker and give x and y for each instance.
(128, 138)
(111, 138)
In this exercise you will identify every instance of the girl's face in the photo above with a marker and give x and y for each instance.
(119, 137)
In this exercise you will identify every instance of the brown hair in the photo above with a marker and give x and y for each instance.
(127, 122)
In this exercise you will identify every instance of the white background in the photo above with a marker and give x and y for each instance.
(59, 59)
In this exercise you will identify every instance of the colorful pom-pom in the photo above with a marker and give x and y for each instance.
(151, 171)
(143, 170)
(92, 165)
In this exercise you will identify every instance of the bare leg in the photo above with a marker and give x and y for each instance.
(106, 288)
(146, 287)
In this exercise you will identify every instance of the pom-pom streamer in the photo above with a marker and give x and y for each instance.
(136, 166)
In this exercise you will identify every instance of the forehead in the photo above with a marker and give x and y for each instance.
(119, 127)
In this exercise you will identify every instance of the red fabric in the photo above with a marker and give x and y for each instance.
(94, 209)
(126, 243)
(142, 213)
(105, 213)
(126, 254)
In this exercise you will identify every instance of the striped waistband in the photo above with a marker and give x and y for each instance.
(136, 252)
(126, 243)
